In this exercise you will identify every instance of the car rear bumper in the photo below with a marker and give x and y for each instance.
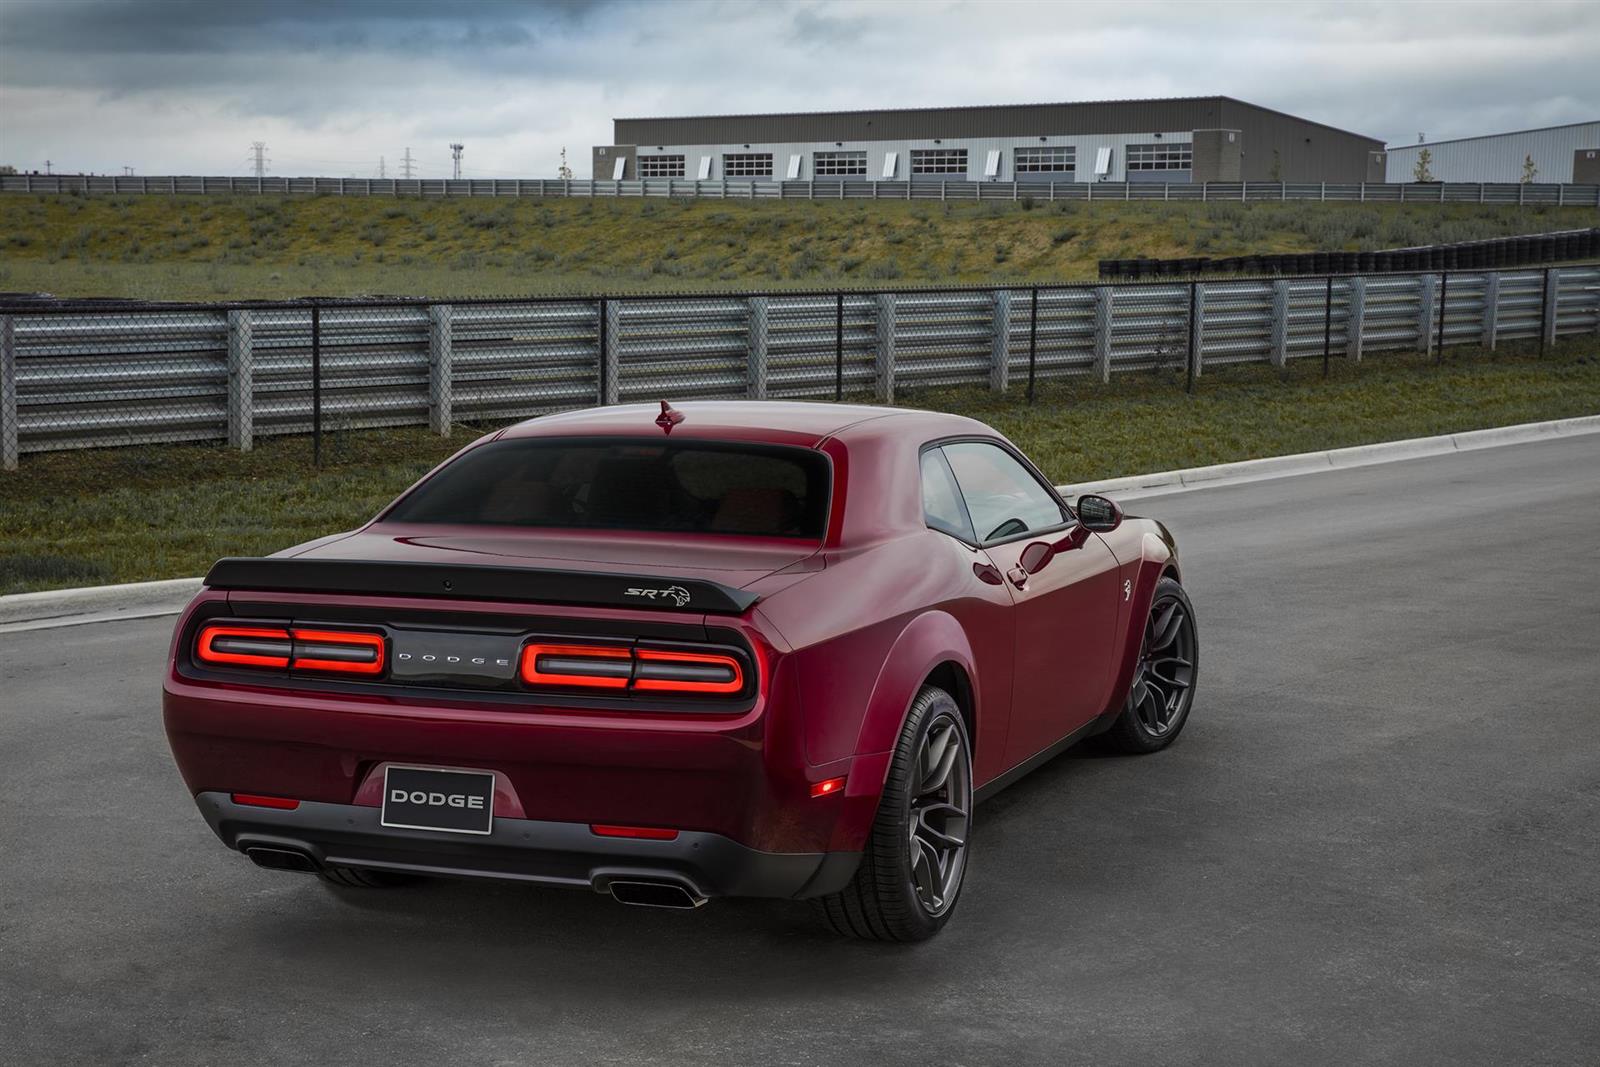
(529, 850)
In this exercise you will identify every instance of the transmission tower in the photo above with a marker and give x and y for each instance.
(406, 165)
(382, 168)
(455, 154)
(258, 152)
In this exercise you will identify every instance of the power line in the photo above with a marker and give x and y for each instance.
(382, 171)
(406, 165)
(258, 149)
(455, 153)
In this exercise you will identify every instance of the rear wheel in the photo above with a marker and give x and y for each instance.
(1164, 679)
(359, 878)
(911, 871)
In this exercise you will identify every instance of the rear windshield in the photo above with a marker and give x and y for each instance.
(626, 485)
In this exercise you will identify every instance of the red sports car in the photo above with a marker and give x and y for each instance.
(759, 649)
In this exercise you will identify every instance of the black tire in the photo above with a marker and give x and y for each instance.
(1158, 704)
(888, 900)
(358, 878)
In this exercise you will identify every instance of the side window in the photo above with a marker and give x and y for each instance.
(1002, 496)
(942, 508)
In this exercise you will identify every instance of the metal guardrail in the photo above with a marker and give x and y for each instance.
(1522, 193)
(76, 375)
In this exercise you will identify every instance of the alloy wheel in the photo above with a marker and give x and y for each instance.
(1162, 684)
(940, 814)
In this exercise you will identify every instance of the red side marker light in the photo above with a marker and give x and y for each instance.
(644, 833)
(827, 786)
(255, 801)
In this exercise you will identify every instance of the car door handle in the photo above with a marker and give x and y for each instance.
(1018, 576)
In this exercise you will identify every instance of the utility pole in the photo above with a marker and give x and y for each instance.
(47, 166)
(455, 154)
(258, 149)
(382, 173)
(127, 171)
(406, 165)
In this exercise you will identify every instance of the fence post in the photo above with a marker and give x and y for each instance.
(1490, 330)
(756, 364)
(1000, 340)
(1363, 197)
(316, 385)
(1280, 323)
(1191, 367)
(1033, 340)
(610, 350)
(1104, 300)
(8, 394)
(1355, 321)
(1327, 324)
(440, 391)
(885, 348)
(838, 346)
(1548, 307)
(241, 381)
(1444, 305)
(1425, 305)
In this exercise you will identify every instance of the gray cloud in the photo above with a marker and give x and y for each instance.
(185, 85)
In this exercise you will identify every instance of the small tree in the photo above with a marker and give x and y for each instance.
(564, 172)
(1421, 172)
(1529, 171)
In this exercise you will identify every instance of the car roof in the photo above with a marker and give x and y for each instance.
(769, 421)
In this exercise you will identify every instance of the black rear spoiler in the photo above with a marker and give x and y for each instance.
(290, 575)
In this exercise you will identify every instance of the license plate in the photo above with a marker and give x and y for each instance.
(428, 798)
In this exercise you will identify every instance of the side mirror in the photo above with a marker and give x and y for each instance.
(1098, 513)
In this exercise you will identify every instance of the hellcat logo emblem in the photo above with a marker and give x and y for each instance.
(675, 593)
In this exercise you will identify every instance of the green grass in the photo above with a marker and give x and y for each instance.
(192, 248)
(161, 511)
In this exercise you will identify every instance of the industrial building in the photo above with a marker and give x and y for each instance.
(1192, 139)
(1559, 154)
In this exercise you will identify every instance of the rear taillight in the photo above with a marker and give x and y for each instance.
(343, 651)
(244, 646)
(687, 672)
(586, 666)
(652, 670)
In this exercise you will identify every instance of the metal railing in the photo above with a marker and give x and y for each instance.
(99, 374)
(1522, 193)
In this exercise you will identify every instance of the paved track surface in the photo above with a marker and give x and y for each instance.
(1377, 842)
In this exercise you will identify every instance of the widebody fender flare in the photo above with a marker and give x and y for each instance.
(928, 640)
(1155, 557)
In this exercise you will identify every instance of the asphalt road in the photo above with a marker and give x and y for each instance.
(1377, 842)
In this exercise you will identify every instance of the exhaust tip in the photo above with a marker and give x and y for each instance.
(655, 895)
(281, 859)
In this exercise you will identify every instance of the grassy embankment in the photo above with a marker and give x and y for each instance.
(80, 518)
(236, 248)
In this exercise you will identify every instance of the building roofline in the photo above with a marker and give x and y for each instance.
(989, 107)
(1487, 136)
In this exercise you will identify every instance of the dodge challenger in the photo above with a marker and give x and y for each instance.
(728, 648)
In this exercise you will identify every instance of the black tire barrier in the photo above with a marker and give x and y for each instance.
(1494, 254)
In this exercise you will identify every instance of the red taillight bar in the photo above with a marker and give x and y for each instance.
(244, 646)
(589, 666)
(687, 672)
(644, 833)
(345, 651)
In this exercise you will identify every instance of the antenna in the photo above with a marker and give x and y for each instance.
(406, 165)
(455, 154)
(258, 152)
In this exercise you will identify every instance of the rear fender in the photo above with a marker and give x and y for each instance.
(929, 640)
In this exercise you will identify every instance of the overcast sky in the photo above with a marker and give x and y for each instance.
(185, 86)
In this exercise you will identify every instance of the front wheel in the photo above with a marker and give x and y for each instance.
(1163, 681)
(916, 857)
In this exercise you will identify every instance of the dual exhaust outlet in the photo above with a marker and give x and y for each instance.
(638, 892)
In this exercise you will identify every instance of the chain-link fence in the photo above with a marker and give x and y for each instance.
(87, 374)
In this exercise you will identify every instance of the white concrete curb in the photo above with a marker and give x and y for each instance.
(144, 600)
(1255, 470)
